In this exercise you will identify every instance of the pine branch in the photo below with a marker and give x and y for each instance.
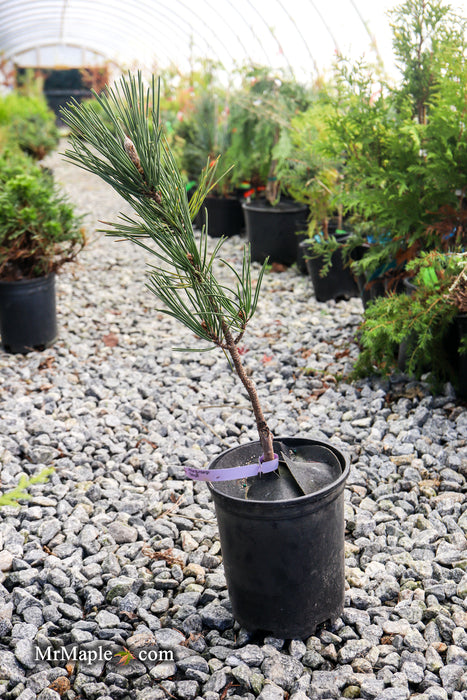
(136, 160)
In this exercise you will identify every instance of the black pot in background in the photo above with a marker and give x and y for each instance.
(272, 231)
(302, 240)
(283, 559)
(225, 216)
(339, 283)
(461, 332)
(28, 319)
(370, 290)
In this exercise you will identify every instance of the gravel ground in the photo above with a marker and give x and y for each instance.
(118, 548)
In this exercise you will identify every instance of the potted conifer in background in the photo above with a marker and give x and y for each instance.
(39, 232)
(282, 538)
(28, 119)
(205, 132)
(314, 178)
(260, 111)
(429, 324)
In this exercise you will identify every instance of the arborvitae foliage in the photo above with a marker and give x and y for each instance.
(137, 161)
(427, 35)
(405, 148)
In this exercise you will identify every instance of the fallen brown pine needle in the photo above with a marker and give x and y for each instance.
(165, 554)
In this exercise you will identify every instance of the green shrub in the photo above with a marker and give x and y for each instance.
(404, 148)
(259, 112)
(422, 320)
(30, 123)
(306, 171)
(39, 230)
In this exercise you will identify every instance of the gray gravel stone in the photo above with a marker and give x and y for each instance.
(167, 638)
(251, 655)
(165, 669)
(394, 694)
(24, 653)
(107, 619)
(450, 676)
(413, 672)
(371, 688)
(217, 617)
(281, 670)
(186, 690)
(194, 662)
(38, 681)
(118, 547)
(217, 682)
(27, 694)
(352, 649)
(271, 691)
(122, 533)
(435, 693)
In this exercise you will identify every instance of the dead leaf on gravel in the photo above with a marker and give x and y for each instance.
(166, 555)
(60, 685)
(110, 340)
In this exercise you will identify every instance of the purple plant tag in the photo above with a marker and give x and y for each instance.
(232, 473)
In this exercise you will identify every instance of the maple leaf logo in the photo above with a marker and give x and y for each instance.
(126, 656)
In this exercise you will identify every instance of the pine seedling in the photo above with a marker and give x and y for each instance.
(136, 160)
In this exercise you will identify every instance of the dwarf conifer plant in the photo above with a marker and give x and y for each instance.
(135, 159)
(422, 320)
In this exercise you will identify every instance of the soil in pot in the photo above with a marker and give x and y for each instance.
(283, 550)
(28, 319)
(272, 230)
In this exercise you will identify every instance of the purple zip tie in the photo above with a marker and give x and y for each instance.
(232, 473)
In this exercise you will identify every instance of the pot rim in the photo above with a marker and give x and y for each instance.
(28, 280)
(288, 208)
(332, 488)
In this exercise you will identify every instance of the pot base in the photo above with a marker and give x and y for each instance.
(28, 318)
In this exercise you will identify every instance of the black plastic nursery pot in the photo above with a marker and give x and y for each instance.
(272, 230)
(28, 319)
(338, 283)
(461, 327)
(225, 216)
(283, 559)
(369, 290)
(302, 240)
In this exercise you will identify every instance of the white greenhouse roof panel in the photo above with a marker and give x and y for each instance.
(303, 35)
